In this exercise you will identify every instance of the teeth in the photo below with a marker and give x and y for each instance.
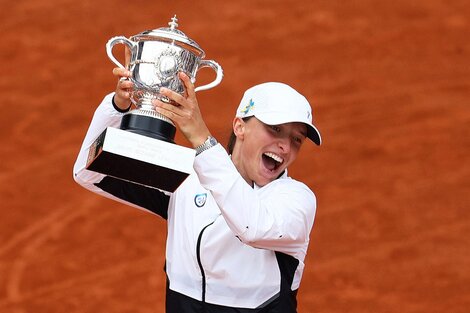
(275, 157)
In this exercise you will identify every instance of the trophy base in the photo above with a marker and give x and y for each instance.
(149, 126)
(140, 159)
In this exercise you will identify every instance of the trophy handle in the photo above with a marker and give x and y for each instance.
(115, 40)
(217, 68)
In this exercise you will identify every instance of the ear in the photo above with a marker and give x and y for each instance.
(238, 127)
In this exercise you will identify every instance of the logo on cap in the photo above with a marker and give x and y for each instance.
(248, 107)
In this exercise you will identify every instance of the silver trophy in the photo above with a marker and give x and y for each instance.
(156, 58)
(142, 150)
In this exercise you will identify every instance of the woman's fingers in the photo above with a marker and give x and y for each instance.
(125, 83)
(124, 88)
(188, 85)
(121, 72)
(176, 98)
(184, 111)
(170, 110)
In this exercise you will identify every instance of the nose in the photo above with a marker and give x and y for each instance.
(284, 144)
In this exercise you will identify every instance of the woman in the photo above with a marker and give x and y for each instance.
(238, 227)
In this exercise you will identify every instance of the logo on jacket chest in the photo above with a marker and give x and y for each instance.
(200, 199)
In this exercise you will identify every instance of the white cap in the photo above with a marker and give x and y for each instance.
(277, 103)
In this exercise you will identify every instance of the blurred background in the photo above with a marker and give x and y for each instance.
(389, 82)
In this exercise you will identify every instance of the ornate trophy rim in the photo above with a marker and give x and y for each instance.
(151, 113)
(171, 35)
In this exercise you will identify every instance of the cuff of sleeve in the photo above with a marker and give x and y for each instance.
(118, 108)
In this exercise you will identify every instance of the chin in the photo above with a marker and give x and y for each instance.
(264, 181)
(265, 176)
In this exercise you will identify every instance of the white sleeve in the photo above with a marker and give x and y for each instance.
(280, 218)
(105, 116)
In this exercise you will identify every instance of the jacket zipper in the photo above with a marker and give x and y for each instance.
(198, 255)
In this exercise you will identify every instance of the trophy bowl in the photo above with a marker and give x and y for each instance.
(156, 57)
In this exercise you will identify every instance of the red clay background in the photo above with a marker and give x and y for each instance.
(390, 86)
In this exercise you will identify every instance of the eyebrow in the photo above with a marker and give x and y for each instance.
(303, 134)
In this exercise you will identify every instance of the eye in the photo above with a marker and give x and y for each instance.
(298, 138)
(276, 128)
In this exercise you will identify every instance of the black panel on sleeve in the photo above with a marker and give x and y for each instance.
(151, 199)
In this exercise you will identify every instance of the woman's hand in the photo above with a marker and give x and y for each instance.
(122, 97)
(184, 112)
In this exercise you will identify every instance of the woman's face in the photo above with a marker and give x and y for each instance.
(262, 152)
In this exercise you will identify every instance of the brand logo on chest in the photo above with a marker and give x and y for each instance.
(200, 199)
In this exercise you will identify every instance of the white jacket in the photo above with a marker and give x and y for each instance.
(225, 238)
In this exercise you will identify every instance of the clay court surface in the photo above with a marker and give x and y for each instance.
(390, 86)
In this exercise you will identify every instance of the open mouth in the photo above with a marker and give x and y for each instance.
(272, 161)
